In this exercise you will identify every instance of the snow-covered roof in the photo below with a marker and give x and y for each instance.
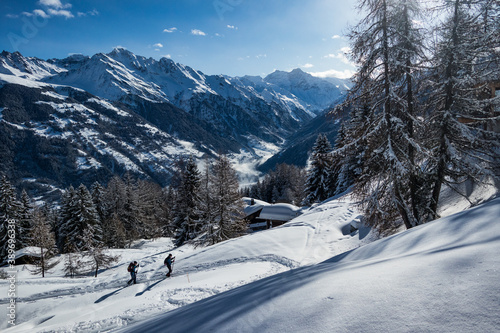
(253, 205)
(33, 251)
(280, 212)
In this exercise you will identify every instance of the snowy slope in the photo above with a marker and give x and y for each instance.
(88, 304)
(440, 277)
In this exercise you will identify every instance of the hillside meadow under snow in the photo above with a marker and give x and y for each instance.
(309, 275)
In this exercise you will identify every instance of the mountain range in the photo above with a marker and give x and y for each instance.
(82, 119)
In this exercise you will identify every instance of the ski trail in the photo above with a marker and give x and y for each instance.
(329, 227)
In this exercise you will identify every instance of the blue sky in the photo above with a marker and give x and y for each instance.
(233, 37)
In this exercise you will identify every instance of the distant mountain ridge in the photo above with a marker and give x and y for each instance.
(208, 113)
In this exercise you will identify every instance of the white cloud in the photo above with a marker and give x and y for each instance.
(333, 56)
(168, 56)
(170, 30)
(232, 27)
(335, 37)
(54, 8)
(41, 13)
(197, 32)
(158, 45)
(11, 16)
(342, 55)
(54, 4)
(36, 12)
(93, 12)
(259, 56)
(346, 74)
(307, 66)
(60, 12)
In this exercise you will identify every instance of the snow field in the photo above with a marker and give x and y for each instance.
(309, 275)
(88, 304)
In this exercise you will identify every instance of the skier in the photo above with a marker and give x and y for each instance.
(132, 268)
(169, 261)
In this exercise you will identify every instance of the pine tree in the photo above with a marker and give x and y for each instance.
(78, 214)
(286, 183)
(26, 220)
(98, 193)
(318, 187)
(166, 213)
(10, 218)
(130, 213)
(149, 196)
(186, 211)
(114, 232)
(206, 206)
(466, 55)
(66, 218)
(344, 162)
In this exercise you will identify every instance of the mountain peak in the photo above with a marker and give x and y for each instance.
(119, 50)
(297, 71)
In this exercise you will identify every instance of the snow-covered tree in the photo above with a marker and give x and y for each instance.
(43, 239)
(66, 218)
(98, 193)
(186, 210)
(465, 58)
(114, 232)
(130, 213)
(10, 209)
(228, 206)
(319, 182)
(165, 217)
(386, 46)
(78, 214)
(93, 249)
(206, 208)
(346, 164)
(285, 183)
(149, 197)
(72, 263)
(25, 220)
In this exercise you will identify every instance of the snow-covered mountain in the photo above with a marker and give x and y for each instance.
(51, 137)
(315, 94)
(234, 108)
(213, 113)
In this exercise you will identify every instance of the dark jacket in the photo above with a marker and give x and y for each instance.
(168, 261)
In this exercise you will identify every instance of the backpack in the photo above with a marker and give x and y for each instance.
(130, 267)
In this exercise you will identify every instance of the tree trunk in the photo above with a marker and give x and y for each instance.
(449, 99)
(410, 129)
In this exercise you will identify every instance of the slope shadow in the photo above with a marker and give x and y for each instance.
(102, 298)
(148, 288)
